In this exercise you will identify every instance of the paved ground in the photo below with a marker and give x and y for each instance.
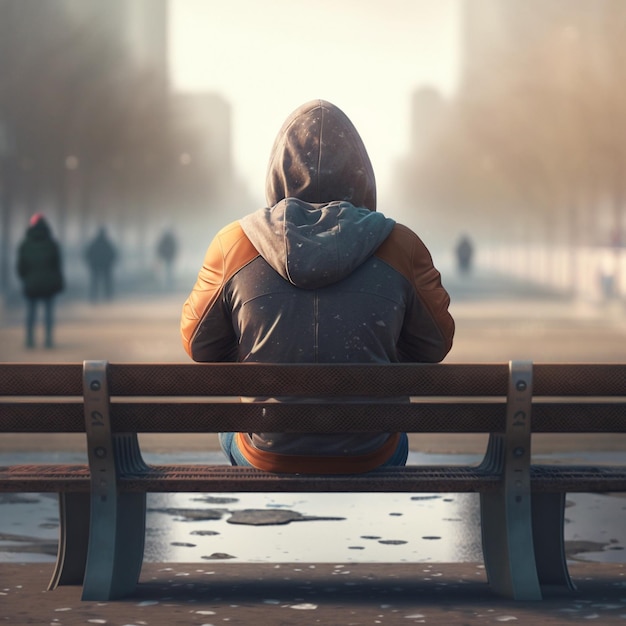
(497, 319)
(339, 595)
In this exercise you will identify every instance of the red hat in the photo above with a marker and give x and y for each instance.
(36, 218)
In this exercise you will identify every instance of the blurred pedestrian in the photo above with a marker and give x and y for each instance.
(101, 255)
(607, 273)
(167, 249)
(40, 270)
(464, 254)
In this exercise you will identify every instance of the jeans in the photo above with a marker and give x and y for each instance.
(31, 318)
(234, 455)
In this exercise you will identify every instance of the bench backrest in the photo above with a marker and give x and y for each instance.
(192, 397)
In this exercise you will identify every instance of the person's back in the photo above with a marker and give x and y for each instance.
(39, 261)
(40, 271)
(100, 252)
(464, 253)
(100, 255)
(167, 247)
(318, 277)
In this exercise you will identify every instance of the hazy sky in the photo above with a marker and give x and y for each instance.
(266, 58)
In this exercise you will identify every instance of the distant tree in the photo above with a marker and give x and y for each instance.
(538, 137)
(74, 100)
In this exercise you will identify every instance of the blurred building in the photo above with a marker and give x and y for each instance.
(202, 125)
(139, 27)
(428, 117)
(428, 113)
(494, 32)
(542, 82)
(89, 130)
(531, 146)
(566, 57)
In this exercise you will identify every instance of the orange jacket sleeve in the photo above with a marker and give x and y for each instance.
(206, 326)
(428, 327)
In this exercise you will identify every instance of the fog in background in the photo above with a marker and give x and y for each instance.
(504, 120)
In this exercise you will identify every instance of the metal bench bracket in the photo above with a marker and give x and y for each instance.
(73, 539)
(506, 514)
(548, 528)
(117, 526)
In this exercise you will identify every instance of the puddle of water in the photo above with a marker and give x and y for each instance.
(370, 528)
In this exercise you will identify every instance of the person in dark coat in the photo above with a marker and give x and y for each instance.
(101, 255)
(40, 270)
(317, 276)
(167, 248)
(464, 254)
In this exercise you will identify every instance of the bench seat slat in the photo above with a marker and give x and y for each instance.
(256, 379)
(190, 379)
(451, 416)
(449, 379)
(35, 477)
(221, 478)
(579, 379)
(164, 416)
(37, 417)
(41, 379)
(245, 417)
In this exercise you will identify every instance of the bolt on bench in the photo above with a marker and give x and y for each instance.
(103, 504)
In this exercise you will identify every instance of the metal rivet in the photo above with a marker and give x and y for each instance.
(521, 385)
(95, 385)
(100, 452)
(519, 451)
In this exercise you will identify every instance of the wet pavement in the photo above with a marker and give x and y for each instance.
(207, 594)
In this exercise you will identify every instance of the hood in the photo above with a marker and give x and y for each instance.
(39, 230)
(319, 157)
(315, 245)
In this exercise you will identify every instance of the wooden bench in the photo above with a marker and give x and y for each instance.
(103, 504)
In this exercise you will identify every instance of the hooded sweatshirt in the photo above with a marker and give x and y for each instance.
(39, 261)
(318, 276)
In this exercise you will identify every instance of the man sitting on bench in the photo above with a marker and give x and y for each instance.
(317, 277)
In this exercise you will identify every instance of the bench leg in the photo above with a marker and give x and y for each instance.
(116, 543)
(118, 519)
(508, 546)
(73, 539)
(506, 515)
(548, 525)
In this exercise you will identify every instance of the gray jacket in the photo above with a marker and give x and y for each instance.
(318, 276)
